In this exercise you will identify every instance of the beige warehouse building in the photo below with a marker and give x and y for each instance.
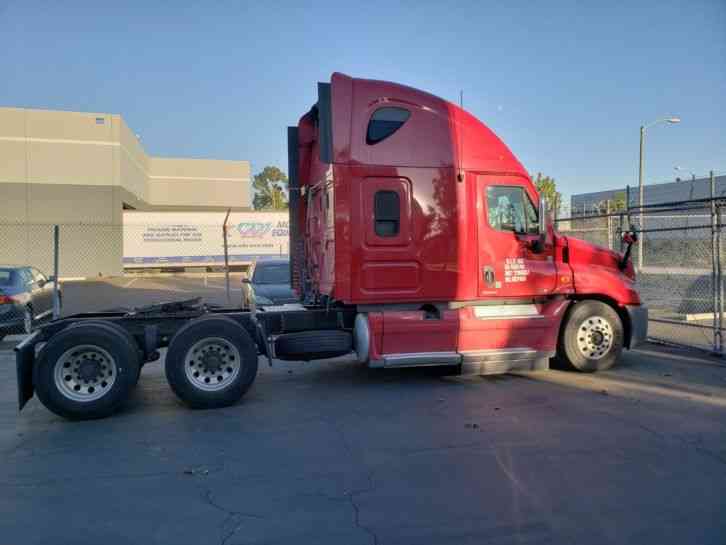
(80, 171)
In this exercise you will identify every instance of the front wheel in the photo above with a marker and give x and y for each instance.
(592, 337)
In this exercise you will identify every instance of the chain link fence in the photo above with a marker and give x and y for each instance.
(104, 267)
(678, 257)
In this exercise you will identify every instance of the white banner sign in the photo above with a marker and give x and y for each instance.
(195, 238)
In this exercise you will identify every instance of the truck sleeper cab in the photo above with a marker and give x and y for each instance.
(416, 238)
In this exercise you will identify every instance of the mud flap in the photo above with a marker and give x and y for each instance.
(24, 361)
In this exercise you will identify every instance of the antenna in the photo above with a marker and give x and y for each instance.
(460, 174)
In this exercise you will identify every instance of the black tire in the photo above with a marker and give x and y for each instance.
(101, 335)
(313, 345)
(591, 338)
(121, 331)
(234, 384)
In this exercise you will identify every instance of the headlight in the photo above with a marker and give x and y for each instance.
(262, 300)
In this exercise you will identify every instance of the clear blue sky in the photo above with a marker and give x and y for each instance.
(565, 84)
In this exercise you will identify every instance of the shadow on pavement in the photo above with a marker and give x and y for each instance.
(654, 372)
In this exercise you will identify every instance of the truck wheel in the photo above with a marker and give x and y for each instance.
(121, 331)
(592, 337)
(86, 371)
(211, 362)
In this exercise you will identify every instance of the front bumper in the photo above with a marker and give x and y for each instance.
(638, 315)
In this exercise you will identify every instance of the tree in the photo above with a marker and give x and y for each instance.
(270, 188)
(618, 203)
(548, 190)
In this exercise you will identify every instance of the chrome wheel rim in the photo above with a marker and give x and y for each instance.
(212, 364)
(85, 373)
(28, 321)
(595, 337)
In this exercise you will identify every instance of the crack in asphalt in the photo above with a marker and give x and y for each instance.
(234, 521)
(351, 496)
(356, 508)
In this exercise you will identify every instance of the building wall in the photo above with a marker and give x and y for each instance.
(187, 183)
(133, 161)
(683, 190)
(78, 170)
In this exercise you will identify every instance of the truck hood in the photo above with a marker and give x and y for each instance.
(582, 251)
(595, 271)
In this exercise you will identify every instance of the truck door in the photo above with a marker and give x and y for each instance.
(388, 256)
(510, 263)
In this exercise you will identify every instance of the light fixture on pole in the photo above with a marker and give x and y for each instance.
(681, 169)
(641, 172)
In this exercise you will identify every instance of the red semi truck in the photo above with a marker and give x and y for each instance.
(417, 239)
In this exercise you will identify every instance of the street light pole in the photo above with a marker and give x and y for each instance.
(641, 171)
(640, 197)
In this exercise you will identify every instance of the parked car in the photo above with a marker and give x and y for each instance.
(26, 297)
(268, 283)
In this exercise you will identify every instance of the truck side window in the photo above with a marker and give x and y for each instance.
(510, 209)
(384, 122)
(387, 212)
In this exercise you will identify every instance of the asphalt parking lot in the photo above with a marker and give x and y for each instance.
(333, 453)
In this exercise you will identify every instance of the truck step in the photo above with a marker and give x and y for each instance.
(498, 361)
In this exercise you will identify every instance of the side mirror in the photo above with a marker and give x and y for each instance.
(629, 238)
(246, 281)
(543, 217)
(538, 245)
(51, 278)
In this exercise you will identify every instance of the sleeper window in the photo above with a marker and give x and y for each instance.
(387, 211)
(384, 122)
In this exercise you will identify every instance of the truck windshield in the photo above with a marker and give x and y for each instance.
(272, 274)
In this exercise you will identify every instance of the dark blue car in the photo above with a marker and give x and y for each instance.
(26, 297)
(268, 283)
